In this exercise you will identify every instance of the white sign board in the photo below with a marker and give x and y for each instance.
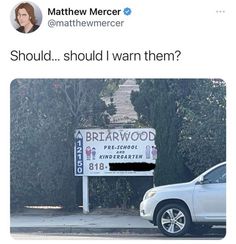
(114, 151)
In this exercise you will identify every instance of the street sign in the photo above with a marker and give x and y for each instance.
(106, 152)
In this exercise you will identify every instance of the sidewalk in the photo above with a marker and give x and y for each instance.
(48, 222)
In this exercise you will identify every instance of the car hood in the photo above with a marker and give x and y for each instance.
(172, 187)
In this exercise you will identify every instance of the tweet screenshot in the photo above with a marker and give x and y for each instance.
(118, 120)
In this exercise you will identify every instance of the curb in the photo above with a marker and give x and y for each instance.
(83, 230)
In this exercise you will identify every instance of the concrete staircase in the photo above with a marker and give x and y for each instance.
(125, 111)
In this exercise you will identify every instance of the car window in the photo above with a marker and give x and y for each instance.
(217, 175)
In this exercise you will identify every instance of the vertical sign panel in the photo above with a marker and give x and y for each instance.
(79, 164)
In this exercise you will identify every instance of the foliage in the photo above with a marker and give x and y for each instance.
(110, 192)
(189, 118)
(111, 86)
(44, 116)
(203, 135)
(100, 193)
(124, 192)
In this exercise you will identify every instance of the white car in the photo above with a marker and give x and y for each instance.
(191, 207)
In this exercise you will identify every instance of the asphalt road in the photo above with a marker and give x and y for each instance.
(108, 236)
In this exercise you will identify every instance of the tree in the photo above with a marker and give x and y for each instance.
(202, 140)
(189, 118)
(156, 104)
(44, 116)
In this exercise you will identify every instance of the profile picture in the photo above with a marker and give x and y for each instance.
(26, 17)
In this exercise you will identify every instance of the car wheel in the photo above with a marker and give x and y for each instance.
(173, 220)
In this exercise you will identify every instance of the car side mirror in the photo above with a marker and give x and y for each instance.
(202, 180)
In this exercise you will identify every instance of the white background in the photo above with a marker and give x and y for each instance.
(205, 38)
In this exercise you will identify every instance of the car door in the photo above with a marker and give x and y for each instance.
(209, 197)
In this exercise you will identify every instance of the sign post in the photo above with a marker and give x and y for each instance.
(85, 195)
(113, 152)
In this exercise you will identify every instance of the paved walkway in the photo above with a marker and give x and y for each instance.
(79, 222)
